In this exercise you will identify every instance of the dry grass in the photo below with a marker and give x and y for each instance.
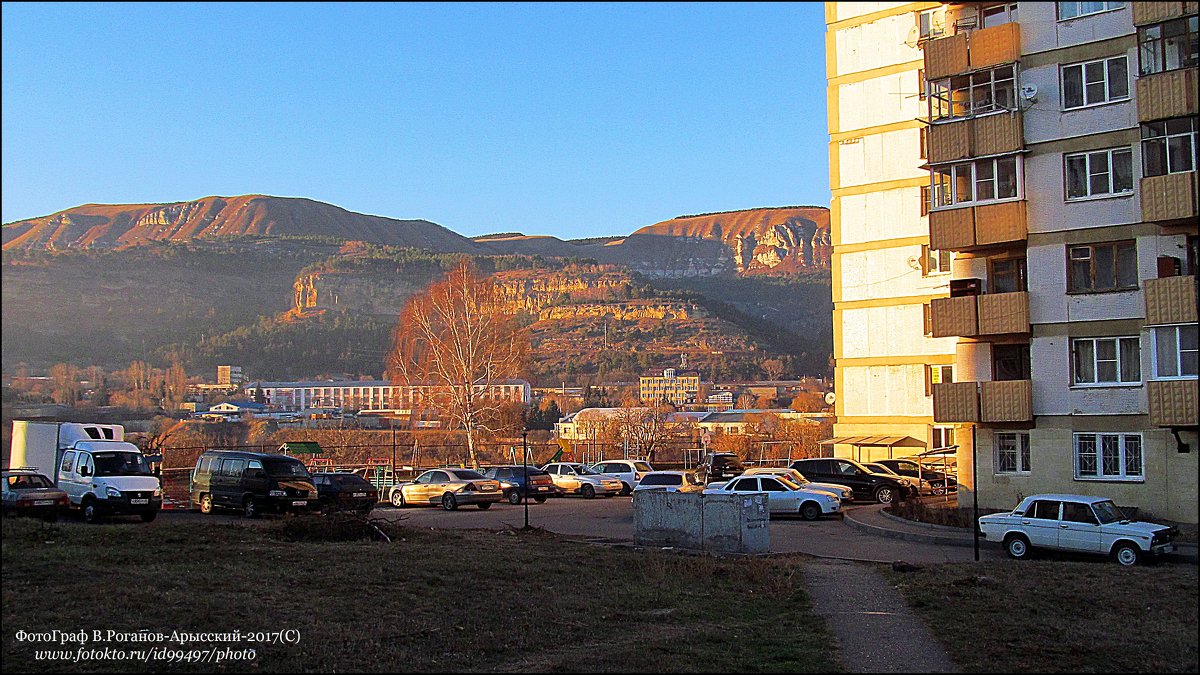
(1060, 616)
(427, 601)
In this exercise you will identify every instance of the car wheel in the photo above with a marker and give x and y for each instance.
(250, 508)
(90, 514)
(397, 498)
(1126, 554)
(885, 495)
(1018, 547)
(810, 511)
(484, 506)
(939, 488)
(588, 492)
(449, 502)
(540, 500)
(514, 497)
(149, 516)
(625, 489)
(206, 505)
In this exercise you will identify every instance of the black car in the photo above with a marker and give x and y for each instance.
(936, 480)
(721, 466)
(345, 492)
(866, 484)
(512, 481)
(253, 482)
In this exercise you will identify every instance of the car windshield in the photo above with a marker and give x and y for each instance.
(467, 474)
(791, 485)
(1108, 512)
(22, 482)
(121, 464)
(282, 469)
(881, 468)
(642, 466)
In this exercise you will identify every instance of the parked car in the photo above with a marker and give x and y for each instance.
(343, 491)
(671, 481)
(783, 496)
(29, 493)
(914, 483)
(843, 492)
(448, 487)
(1076, 523)
(721, 466)
(253, 482)
(933, 481)
(881, 487)
(630, 471)
(577, 479)
(512, 483)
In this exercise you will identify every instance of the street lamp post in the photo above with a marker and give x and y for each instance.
(525, 467)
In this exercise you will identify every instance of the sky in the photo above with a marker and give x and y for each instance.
(572, 120)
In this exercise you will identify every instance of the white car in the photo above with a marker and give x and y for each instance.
(629, 471)
(577, 479)
(783, 496)
(841, 491)
(1076, 523)
(670, 481)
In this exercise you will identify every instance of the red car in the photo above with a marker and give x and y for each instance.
(32, 494)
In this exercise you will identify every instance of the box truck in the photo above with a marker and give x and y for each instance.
(92, 463)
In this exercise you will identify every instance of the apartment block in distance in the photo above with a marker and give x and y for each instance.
(1061, 155)
(885, 273)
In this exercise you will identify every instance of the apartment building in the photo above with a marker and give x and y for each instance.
(884, 272)
(1060, 153)
(673, 386)
(374, 394)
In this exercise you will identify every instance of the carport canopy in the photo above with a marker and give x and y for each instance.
(301, 448)
(889, 442)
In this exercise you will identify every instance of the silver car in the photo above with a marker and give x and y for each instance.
(448, 487)
(576, 479)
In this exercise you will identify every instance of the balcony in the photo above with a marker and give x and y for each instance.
(1173, 403)
(975, 137)
(1170, 300)
(956, 402)
(980, 315)
(1169, 94)
(972, 49)
(1006, 401)
(974, 227)
(1169, 197)
(1154, 12)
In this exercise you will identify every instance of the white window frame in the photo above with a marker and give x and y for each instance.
(1107, 7)
(1116, 340)
(1022, 459)
(1108, 79)
(1179, 351)
(956, 167)
(941, 94)
(1089, 158)
(1190, 136)
(1122, 440)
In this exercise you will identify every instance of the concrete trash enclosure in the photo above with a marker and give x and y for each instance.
(713, 523)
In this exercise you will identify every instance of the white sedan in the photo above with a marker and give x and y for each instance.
(630, 471)
(783, 496)
(841, 491)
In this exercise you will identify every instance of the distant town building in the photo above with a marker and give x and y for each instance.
(230, 376)
(677, 388)
(373, 394)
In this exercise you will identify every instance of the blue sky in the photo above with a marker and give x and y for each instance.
(574, 120)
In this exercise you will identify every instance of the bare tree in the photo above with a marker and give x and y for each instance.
(458, 338)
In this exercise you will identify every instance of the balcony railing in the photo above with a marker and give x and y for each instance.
(1169, 94)
(1006, 401)
(1169, 197)
(970, 49)
(956, 402)
(977, 315)
(1153, 12)
(977, 226)
(1170, 300)
(1173, 403)
(975, 137)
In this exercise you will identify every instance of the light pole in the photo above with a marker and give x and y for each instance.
(525, 468)
(974, 491)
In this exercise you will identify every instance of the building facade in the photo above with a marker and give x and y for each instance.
(1060, 151)
(373, 394)
(675, 387)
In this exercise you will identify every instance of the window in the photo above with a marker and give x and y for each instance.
(928, 25)
(941, 437)
(977, 93)
(1100, 173)
(1109, 266)
(1108, 456)
(927, 318)
(924, 141)
(1075, 512)
(1044, 509)
(845, 469)
(1006, 275)
(937, 375)
(926, 198)
(1175, 352)
(982, 180)
(68, 462)
(1169, 146)
(999, 14)
(1095, 82)
(1168, 46)
(1106, 360)
(1012, 452)
(1071, 10)
(1010, 362)
(934, 261)
(922, 84)
(771, 485)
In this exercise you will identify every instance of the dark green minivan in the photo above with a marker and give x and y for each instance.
(252, 482)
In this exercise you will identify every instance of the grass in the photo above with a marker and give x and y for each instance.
(427, 601)
(1059, 616)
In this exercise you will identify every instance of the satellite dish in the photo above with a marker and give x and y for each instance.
(1029, 92)
(914, 262)
(830, 398)
(913, 36)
